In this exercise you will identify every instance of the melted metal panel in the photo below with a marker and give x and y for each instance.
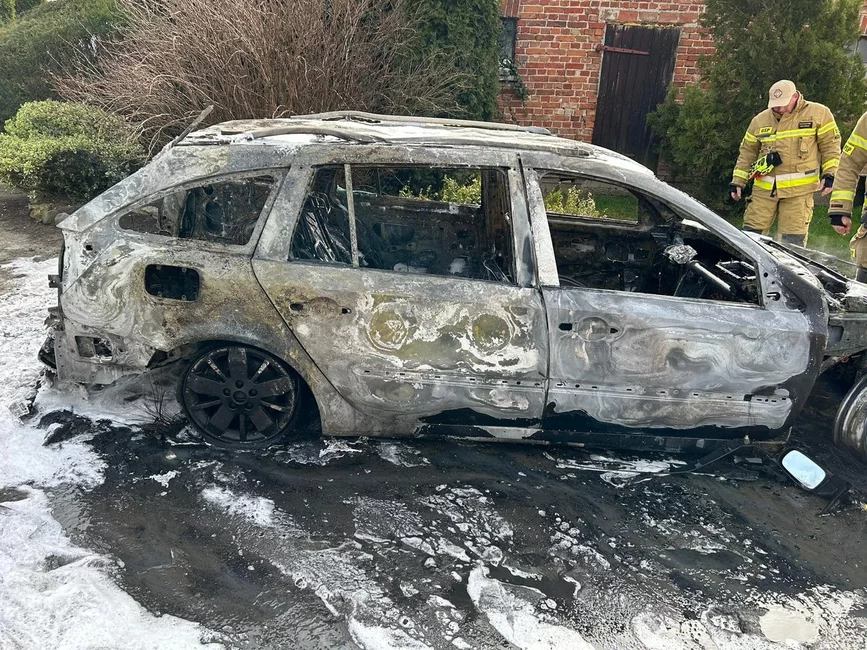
(110, 301)
(402, 347)
(651, 361)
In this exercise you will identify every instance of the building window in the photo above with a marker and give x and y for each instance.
(508, 37)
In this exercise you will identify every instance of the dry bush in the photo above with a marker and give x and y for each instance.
(261, 58)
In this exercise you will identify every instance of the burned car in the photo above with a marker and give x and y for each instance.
(401, 276)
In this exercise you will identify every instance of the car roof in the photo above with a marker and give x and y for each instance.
(358, 128)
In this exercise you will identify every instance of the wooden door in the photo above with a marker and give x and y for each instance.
(637, 67)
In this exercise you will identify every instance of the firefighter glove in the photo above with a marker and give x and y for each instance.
(765, 165)
(733, 188)
(837, 218)
(828, 180)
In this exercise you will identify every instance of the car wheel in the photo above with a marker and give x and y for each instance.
(240, 397)
(850, 425)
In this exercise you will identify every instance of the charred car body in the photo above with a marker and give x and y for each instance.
(408, 276)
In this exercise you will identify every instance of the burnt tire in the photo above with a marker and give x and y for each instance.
(850, 424)
(240, 397)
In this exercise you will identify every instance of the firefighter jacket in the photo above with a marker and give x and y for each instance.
(852, 161)
(807, 140)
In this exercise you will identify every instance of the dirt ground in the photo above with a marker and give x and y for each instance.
(23, 236)
(326, 544)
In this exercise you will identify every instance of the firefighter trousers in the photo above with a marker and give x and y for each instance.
(859, 246)
(793, 214)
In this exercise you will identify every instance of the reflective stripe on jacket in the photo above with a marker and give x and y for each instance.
(807, 140)
(852, 162)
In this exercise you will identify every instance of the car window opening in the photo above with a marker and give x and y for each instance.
(609, 237)
(436, 221)
(224, 212)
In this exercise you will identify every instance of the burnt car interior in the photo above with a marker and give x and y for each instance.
(611, 237)
(437, 221)
(224, 212)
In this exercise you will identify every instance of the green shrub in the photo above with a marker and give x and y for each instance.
(807, 41)
(41, 41)
(467, 191)
(572, 201)
(11, 9)
(467, 35)
(7, 11)
(69, 150)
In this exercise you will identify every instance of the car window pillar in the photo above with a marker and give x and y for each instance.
(546, 264)
(350, 205)
(521, 232)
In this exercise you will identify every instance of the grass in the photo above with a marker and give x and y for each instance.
(822, 236)
(614, 206)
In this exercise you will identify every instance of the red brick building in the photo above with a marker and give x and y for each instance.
(593, 69)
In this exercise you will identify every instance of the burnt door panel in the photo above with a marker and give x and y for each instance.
(635, 76)
(409, 349)
(624, 362)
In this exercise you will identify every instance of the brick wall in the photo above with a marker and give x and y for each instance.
(559, 65)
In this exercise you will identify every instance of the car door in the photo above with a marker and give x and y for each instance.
(638, 341)
(414, 309)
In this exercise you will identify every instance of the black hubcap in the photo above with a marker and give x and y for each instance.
(239, 395)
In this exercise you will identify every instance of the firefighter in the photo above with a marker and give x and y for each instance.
(852, 163)
(786, 149)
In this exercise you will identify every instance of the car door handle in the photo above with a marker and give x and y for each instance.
(591, 328)
(318, 305)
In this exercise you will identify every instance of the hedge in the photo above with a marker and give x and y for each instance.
(69, 150)
(467, 33)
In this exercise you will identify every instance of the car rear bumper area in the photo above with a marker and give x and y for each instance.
(46, 352)
(78, 354)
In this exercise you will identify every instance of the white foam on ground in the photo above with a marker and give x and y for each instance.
(133, 400)
(23, 459)
(382, 638)
(822, 612)
(783, 625)
(619, 472)
(342, 577)
(164, 478)
(657, 631)
(320, 452)
(400, 455)
(510, 611)
(75, 605)
(54, 594)
(256, 510)
(22, 332)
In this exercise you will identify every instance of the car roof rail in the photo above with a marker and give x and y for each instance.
(305, 130)
(374, 118)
